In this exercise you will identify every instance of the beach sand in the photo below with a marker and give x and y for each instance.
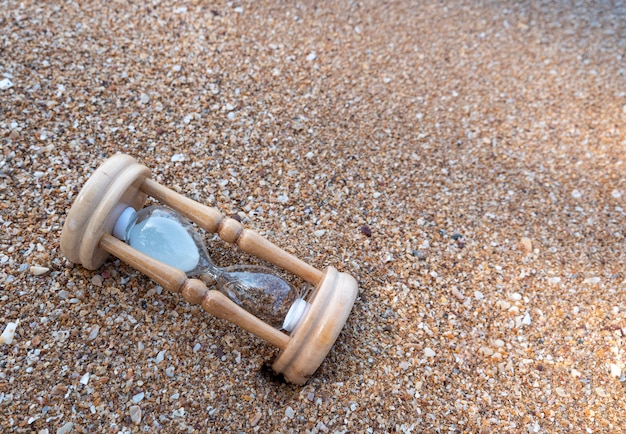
(463, 160)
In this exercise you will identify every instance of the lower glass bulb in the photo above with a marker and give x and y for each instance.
(169, 237)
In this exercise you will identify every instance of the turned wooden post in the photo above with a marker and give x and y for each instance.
(231, 231)
(194, 291)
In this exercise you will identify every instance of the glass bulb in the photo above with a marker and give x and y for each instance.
(169, 237)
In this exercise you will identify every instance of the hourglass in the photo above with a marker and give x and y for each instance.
(107, 218)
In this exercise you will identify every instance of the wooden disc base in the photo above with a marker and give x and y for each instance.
(113, 187)
(310, 342)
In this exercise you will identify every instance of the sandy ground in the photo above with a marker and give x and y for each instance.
(463, 160)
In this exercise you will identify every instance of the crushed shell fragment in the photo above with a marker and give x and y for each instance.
(9, 333)
(38, 271)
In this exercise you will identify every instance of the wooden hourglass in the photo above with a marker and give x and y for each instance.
(121, 183)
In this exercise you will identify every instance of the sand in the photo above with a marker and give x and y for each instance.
(463, 160)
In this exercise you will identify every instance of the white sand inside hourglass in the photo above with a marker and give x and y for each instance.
(161, 238)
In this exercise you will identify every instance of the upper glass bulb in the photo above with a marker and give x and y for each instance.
(169, 237)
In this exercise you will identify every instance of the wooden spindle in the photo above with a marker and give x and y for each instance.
(165, 275)
(193, 290)
(221, 306)
(231, 231)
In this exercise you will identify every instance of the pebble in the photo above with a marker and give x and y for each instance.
(170, 371)
(9, 333)
(138, 397)
(5, 84)
(93, 332)
(97, 280)
(177, 157)
(135, 414)
(66, 428)
(554, 280)
(36, 270)
(503, 304)
(600, 391)
(498, 343)
(616, 370)
(256, 419)
(561, 392)
(616, 194)
(486, 351)
(458, 294)
(428, 352)
(319, 232)
(592, 280)
(289, 412)
(576, 194)
(419, 254)
(527, 244)
(84, 379)
(321, 427)
(365, 230)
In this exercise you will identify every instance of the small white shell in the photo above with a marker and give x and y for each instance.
(9, 333)
(135, 414)
(38, 271)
